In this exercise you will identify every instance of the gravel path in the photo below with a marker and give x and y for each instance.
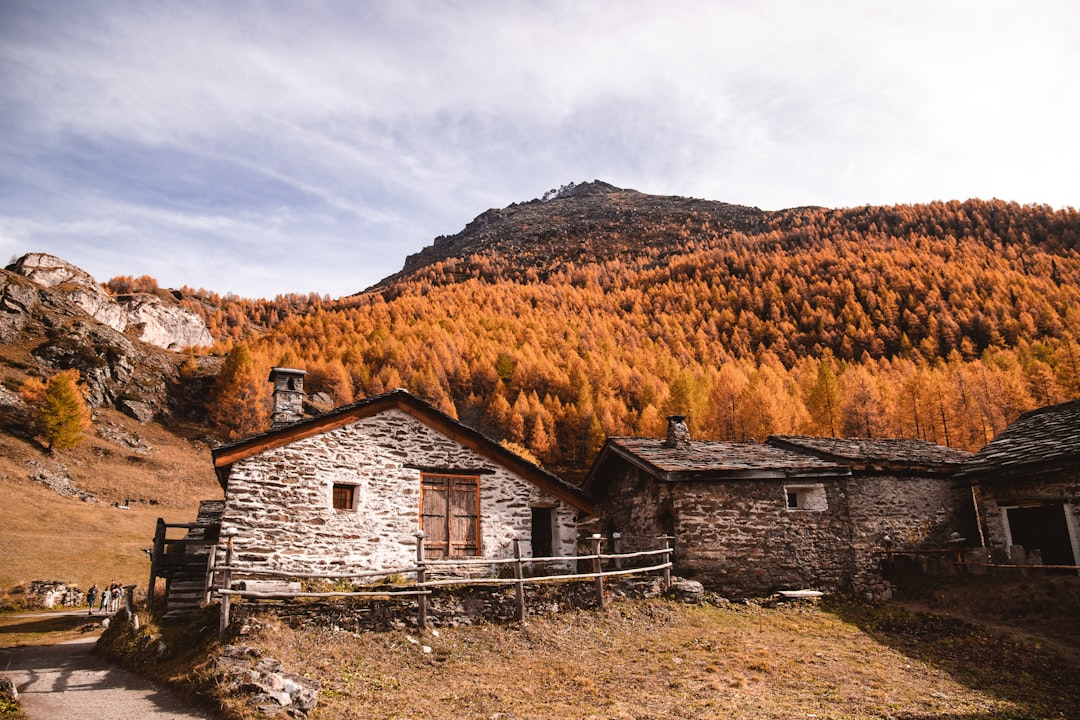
(68, 681)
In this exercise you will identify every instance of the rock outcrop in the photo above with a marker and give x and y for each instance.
(150, 318)
(123, 347)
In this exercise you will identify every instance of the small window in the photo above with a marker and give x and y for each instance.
(344, 496)
(806, 497)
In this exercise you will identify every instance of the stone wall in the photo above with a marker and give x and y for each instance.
(740, 537)
(914, 512)
(447, 606)
(280, 501)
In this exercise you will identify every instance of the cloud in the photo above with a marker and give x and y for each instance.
(241, 131)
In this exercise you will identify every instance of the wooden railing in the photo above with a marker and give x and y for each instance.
(421, 588)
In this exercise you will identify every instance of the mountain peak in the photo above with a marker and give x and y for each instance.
(573, 189)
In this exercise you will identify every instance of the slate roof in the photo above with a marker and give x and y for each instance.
(225, 455)
(713, 460)
(1043, 443)
(864, 454)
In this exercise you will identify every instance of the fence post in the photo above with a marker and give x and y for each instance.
(519, 613)
(598, 568)
(129, 606)
(226, 583)
(667, 559)
(421, 579)
(616, 549)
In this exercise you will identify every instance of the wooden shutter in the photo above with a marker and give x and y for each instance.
(450, 514)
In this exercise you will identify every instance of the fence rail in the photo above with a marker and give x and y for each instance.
(421, 588)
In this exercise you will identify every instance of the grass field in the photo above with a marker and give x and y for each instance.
(48, 536)
(659, 660)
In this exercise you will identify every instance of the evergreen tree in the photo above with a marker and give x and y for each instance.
(63, 413)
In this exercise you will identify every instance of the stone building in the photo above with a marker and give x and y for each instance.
(794, 513)
(348, 490)
(746, 518)
(1027, 482)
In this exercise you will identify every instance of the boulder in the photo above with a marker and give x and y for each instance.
(688, 591)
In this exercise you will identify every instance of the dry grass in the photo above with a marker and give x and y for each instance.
(655, 659)
(48, 536)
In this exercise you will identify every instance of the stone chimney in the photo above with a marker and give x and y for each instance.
(288, 396)
(678, 435)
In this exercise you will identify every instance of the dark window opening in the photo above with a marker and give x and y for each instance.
(344, 496)
(793, 500)
(542, 532)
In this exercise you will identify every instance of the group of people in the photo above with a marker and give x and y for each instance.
(110, 598)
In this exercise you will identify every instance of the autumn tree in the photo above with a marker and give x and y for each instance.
(824, 400)
(241, 399)
(59, 408)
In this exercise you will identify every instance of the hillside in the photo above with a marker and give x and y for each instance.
(597, 311)
(554, 323)
(84, 515)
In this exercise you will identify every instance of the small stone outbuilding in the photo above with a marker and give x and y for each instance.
(348, 490)
(745, 518)
(1027, 482)
(796, 512)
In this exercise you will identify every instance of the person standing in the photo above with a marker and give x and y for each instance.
(91, 596)
(106, 598)
(114, 602)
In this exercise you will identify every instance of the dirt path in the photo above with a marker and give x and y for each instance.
(68, 681)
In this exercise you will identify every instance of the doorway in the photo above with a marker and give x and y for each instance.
(1044, 527)
(541, 532)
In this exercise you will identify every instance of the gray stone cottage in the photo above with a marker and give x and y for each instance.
(348, 490)
(751, 518)
(1027, 485)
(746, 518)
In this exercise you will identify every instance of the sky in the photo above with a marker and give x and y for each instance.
(263, 147)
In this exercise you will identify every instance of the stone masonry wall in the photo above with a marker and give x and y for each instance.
(633, 507)
(736, 537)
(915, 512)
(280, 501)
(740, 537)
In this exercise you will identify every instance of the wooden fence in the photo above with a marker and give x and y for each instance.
(426, 573)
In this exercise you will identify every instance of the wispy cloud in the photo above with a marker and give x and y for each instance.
(266, 147)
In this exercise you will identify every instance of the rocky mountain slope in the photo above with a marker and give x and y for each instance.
(84, 515)
(591, 222)
(54, 316)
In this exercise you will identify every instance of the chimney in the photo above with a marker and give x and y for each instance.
(678, 435)
(288, 396)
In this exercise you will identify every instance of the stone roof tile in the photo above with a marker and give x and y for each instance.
(1047, 438)
(716, 457)
(890, 451)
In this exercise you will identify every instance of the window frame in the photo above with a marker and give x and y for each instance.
(344, 487)
(809, 497)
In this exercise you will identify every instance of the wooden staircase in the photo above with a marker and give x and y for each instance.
(185, 562)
